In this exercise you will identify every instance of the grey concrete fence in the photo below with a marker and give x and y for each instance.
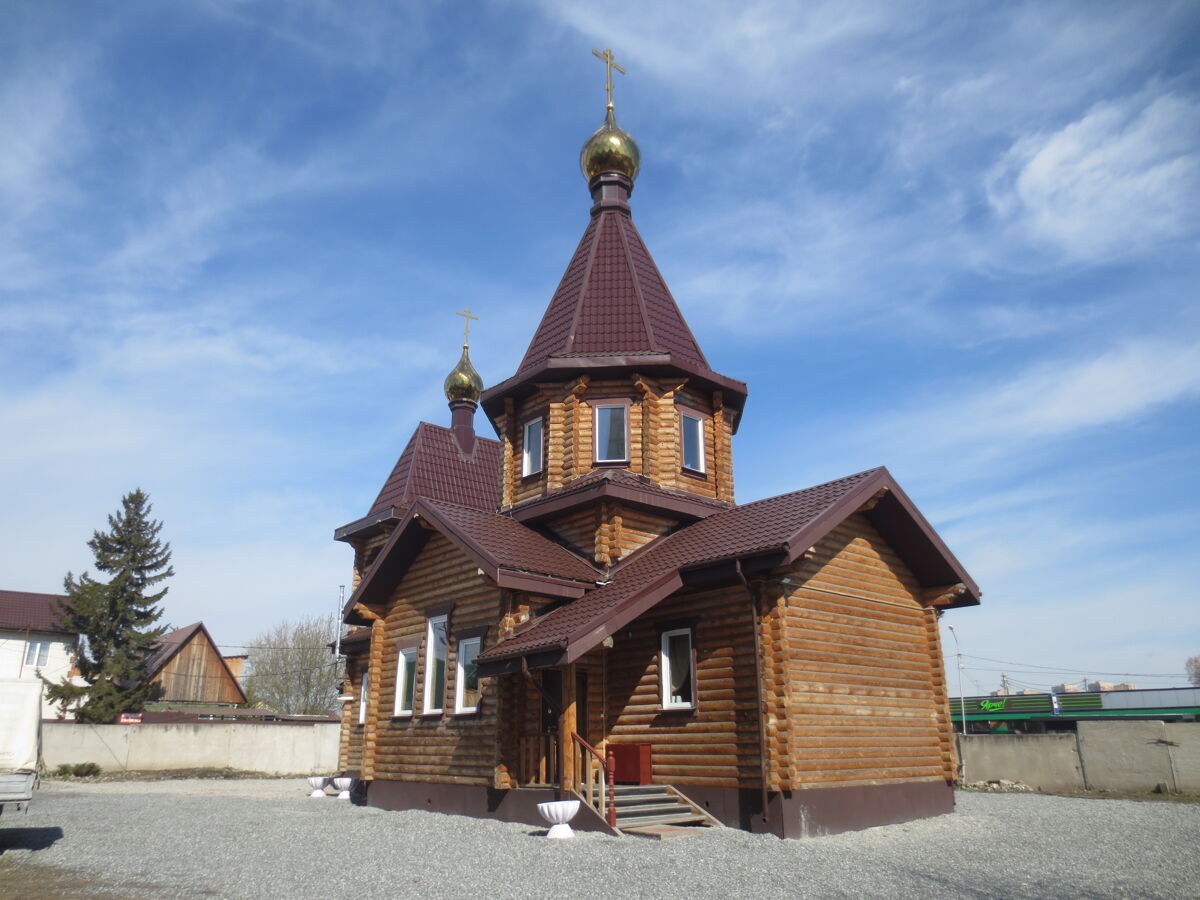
(272, 749)
(1100, 756)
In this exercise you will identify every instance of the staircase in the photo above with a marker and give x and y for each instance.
(642, 806)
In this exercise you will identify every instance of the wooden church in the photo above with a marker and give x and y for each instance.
(580, 608)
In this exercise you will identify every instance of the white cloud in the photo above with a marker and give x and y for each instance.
(1118, 181)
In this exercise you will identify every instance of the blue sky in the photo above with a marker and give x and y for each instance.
(956, 239)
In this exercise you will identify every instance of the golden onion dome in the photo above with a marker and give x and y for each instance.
(463, 382)
(610, 149)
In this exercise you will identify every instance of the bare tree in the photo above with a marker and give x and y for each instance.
(1193, 670)
(291, 668)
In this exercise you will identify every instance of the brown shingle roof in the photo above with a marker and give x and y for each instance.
(21, 610)
(508, 552)
(613, 309)
(787, 524)
(623, 484)
(170, 644)
(433, 466)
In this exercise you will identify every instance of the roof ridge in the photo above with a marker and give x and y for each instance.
(573, 326)
(637, 282)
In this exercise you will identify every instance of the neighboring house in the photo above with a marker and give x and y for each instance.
(32, 642)
(586, 588)
(190, 669)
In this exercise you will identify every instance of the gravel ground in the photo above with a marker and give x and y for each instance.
(268, 839)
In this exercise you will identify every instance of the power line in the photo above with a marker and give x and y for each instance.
(1074, 670)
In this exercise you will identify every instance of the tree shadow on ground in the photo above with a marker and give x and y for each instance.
(28, 838)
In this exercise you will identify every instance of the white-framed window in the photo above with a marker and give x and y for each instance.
(362, 696)
(531, 448)
(406, 682)
(675, 666)
(466, 680)
(436, 639)
(691, 440)
(36, 653)
(612, 433)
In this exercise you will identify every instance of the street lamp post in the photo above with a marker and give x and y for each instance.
(962, 707)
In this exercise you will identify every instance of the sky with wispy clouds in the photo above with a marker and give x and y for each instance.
(958, 239)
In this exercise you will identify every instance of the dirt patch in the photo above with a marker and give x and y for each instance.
(34, 882)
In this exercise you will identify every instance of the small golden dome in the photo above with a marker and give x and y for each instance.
(610, 149)
(463, 383)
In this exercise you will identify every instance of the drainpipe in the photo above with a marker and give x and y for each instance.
(758, 691)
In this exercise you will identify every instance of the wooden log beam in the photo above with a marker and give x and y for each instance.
(943, 595)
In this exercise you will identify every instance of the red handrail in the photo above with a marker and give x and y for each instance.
(609, 765)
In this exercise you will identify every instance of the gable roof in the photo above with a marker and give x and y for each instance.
(174, 641)
(432, 465)
(23, 610)
(506, 551)
(770, 532)
(613, 310)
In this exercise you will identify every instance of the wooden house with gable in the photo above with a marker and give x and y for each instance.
(581, 603)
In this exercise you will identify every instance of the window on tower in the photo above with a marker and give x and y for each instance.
(691, 440)
(531, 452)
(612, 433)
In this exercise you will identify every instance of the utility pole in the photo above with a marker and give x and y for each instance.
(1004, 683)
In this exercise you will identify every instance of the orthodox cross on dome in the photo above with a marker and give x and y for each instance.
(610, 63)
(465, 312)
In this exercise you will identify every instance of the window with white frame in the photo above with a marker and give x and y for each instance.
(436, 638)
(612, 433)
(362, 696)
(36, 653)
(691, 440)
(675, 666)
(406, 682)
(531, 448)
(466, 680)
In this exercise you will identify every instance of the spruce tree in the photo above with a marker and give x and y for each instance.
(115, 619)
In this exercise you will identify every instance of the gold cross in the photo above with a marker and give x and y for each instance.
(467, 317)
(610, 63)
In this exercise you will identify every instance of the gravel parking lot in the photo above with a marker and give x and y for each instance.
(268, 839)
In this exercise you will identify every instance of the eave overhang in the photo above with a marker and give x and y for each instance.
(539, 508)
(367, 526)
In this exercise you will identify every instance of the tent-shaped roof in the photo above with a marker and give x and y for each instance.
(433, 466)
(768, 532)
(612, 310)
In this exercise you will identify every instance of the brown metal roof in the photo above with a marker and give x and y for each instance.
(613, 310)
(618, 484)
(506, 551)
(22, 610)
(780, 527)
(433, 466)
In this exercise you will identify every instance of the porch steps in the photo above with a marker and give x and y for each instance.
(655, 805)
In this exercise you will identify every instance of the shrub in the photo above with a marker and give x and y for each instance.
(79, 770)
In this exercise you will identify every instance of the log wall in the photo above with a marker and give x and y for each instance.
(654, 441)
(862, 688)
(350, 747)
(440, 747)
(717, 743)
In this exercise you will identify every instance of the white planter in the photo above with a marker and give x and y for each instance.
(342, 785)
(558, 813)
(317, 783)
